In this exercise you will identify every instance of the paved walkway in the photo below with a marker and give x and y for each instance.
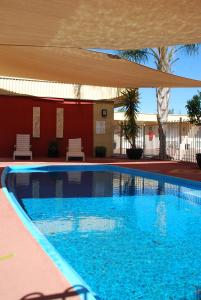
(177, 169)
(24, 267)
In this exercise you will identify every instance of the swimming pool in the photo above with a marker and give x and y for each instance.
(129, 234)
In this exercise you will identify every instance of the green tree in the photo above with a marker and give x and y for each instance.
(193, 107)
(164, 58)
(129, 102)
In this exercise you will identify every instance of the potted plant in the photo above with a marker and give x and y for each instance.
(100, 151)
(193, 107)
(53, 149)
(129, 102)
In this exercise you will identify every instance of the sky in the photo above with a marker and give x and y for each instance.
(186, 66)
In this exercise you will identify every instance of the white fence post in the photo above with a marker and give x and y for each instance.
(143, 140)
(180, 139)
(121, 136)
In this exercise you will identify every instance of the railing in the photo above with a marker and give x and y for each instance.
(183, 140)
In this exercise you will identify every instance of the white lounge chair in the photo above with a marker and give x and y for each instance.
(22, 147)
(74, 149)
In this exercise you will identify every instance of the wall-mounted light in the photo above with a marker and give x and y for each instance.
(104, 113)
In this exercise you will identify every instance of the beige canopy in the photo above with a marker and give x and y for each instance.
(43, 39)
(83, 67)
(122, 24)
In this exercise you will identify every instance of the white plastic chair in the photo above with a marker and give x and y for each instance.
(74, 149)
(22, 147)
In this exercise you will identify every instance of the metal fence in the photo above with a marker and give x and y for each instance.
(183, 140)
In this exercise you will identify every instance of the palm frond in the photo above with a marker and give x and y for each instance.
(134, 55)
(154, 52)
(191, 49)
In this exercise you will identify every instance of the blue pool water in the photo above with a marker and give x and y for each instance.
(129, 234)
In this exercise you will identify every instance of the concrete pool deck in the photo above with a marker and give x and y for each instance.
(26, 272)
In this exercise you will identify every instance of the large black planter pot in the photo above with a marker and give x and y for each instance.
(134, 153)
(198, 158)
(53, 150)
(100, 151)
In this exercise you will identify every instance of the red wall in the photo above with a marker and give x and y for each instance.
(16, 115)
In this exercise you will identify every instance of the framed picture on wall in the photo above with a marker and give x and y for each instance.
(59, 123)
(36, 122)
(100, 127)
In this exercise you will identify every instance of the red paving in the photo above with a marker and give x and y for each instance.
(24, 267)
(177, 169)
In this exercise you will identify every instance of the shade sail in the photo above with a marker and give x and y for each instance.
(44, 39)
(122, 24)
(83, 67)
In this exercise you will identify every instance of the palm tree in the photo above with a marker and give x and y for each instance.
(129, 103)
(164, 58)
